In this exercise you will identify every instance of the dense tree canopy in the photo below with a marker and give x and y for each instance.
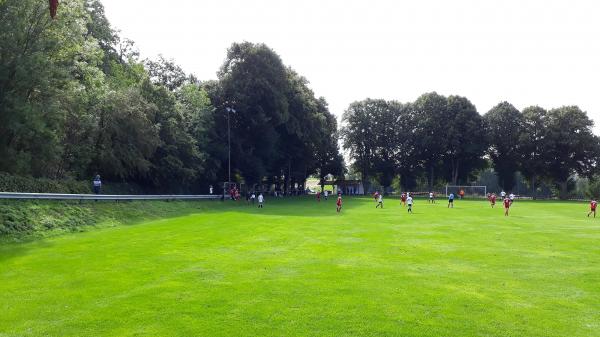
(75, 101)
(434, 135)
(504, 126)
(447, 137)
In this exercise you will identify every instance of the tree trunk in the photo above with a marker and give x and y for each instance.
(455, 169)
(288, 188)
(563, 190)
(534, 187)
(431, 177)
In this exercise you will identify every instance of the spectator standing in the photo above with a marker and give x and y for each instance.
(97, 184)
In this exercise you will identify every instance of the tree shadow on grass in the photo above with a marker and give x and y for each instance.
(111, 214)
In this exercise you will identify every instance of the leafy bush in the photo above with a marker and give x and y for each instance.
(12, 183)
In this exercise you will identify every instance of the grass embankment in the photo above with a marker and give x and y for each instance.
(296, 268)
(23, 220)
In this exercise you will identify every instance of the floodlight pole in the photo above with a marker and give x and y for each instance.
(229, 144)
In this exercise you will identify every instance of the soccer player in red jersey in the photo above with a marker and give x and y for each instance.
(339, 202)
(506, 205)
(403, 199)
(319, 196)
(493, 200)
(593, 205)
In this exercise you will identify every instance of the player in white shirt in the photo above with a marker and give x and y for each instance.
(253, 198)
(409, 202)
(379, 201)
(511, 197)
(503, 194)
(261, 199)
(431, 198)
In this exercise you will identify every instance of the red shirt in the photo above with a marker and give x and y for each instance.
(493, 198)
(506, 202)
(339, 201)
(593, 204)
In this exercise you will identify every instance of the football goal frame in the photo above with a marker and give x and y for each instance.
(470, 190)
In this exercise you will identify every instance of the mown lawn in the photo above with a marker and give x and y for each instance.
(296, 268)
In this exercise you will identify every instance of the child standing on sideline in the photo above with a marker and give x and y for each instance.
(261, 200)
(97, 184)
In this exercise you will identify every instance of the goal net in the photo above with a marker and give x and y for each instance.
(469, 191)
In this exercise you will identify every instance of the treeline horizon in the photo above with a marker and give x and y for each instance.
(446, 138)
(76, 101)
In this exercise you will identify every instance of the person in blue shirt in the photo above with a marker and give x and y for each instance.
(451, 200)
(97, 183)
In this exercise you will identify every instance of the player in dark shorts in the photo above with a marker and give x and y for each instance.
(451, 200)
(506, 205)
(493, 200)
(593, 204)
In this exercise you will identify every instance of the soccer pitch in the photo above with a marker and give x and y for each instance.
(296, 268)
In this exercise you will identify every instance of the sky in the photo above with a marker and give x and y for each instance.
(526, 52)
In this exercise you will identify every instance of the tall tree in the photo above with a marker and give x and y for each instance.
(253, 81)
(359, 137)
(403, 142)
(503, 127)
(571, 145)
(37, 57)
(386, 138)
(466, 142)
(430, 114)
(532, 144)
(327, 154)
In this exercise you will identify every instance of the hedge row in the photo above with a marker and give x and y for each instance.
(11, 183)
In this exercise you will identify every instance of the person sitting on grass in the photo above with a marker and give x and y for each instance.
(261, 200)
(379, 201)
(451, 200)
(507, 204)
(593, 205)
(409, 202)
(339, 202)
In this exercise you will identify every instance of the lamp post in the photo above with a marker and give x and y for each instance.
(229, 145)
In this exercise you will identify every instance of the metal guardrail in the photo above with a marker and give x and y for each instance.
(58, 196)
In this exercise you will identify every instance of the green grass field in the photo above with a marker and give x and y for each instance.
(296, 268)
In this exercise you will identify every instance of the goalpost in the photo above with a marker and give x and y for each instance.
(470, 191)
